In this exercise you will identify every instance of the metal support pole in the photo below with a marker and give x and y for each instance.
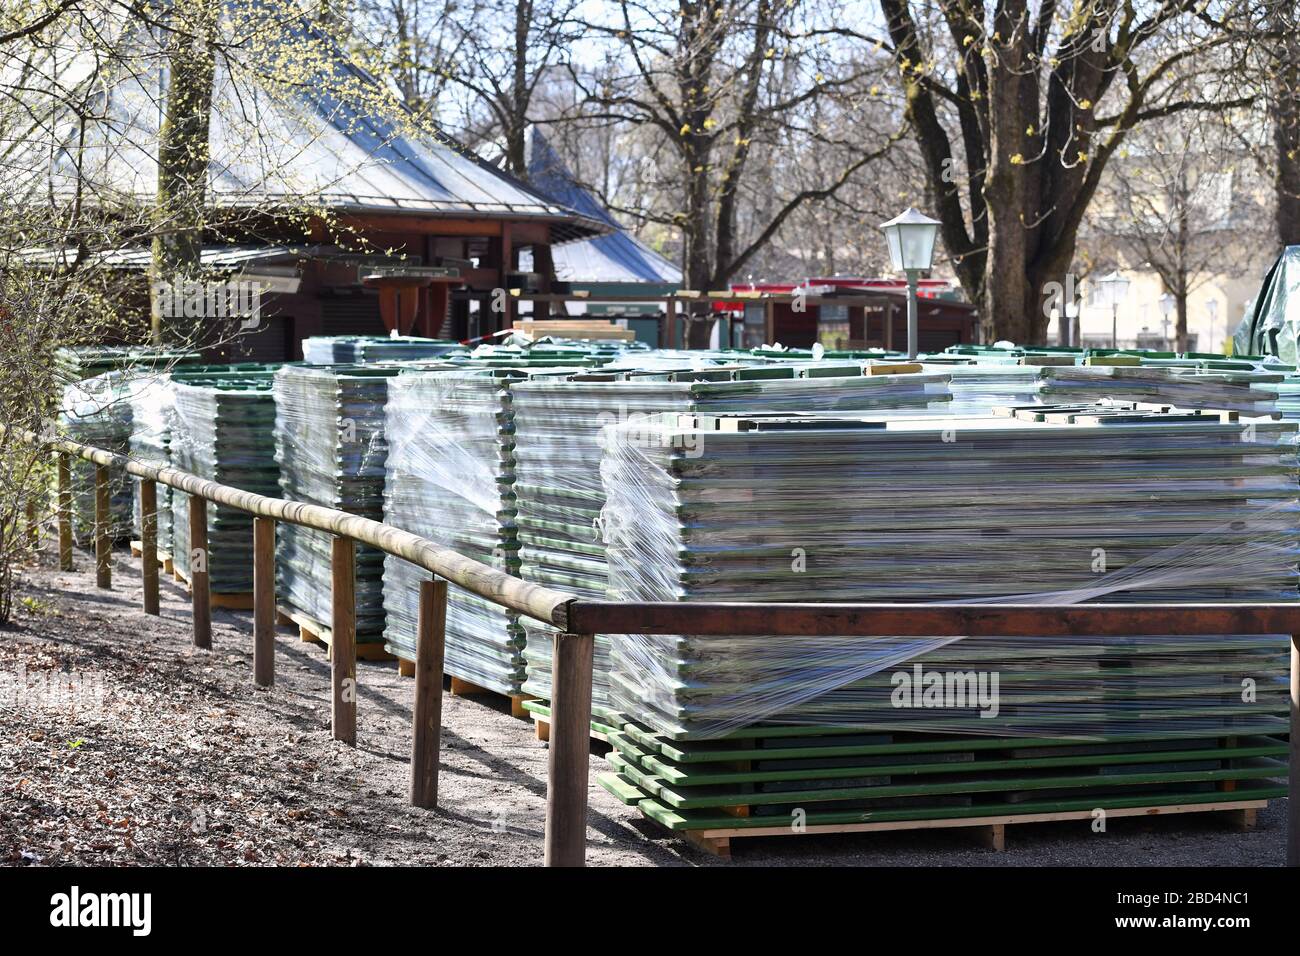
(911, 315)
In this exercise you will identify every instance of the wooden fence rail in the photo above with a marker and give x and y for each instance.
(578, 621)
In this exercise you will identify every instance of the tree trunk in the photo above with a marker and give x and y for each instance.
(183, 152)
(517, 128)
(1008, 303)
(1286, 136)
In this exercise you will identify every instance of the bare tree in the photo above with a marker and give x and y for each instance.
(724, 89)
(1019, 108)
(1283, 66)
(1182, 200)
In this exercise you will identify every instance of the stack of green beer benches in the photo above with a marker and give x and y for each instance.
(1048, 505)
(223, 430)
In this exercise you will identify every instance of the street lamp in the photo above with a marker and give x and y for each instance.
(911, 238)
(1213, 306)
(1167, 309)
(1112, 290)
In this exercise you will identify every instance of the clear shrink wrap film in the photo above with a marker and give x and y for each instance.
(978, 388)
(152, 411)
(451, 479)
(223, 430)
(559, 494)
(97, 411)
(331, 451)
(1111, 503)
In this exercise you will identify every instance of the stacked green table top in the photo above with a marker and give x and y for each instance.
(152, 413)
(559, 496)
(1249, 388)
(330, 447)
(80, 362)
(223, 430)
(1050, 507)
(451, 479)
(775, 776)
(97, 411)
(742, 732)
(367, 349)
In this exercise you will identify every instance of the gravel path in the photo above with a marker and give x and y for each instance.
(172, 757)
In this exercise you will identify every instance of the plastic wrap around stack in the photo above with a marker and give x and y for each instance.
(90, 360)
(366, 349)
(1116, 506)
(223, 430)
(329, 443)
(1240, 387)
(451, 479)
(152, 411)
(97, 412)
(558, 420)
(1174, 506)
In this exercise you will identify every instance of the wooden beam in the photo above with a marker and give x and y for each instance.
(103, 546)
(932, 620)
(264, 602)
(149, 545)
(567, 766)
(200, 596)
(426, 737)
(343, 646)
(65, 511)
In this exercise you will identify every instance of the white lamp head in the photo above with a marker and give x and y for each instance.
(911, 238)
(1114, 287)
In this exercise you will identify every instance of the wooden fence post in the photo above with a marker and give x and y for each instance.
(1293, 785)
(103, 547)
(263, 601)
(426, 739)
(200, 598)
(65, 512)
(343, 642)
(570, 753)
(149, 543)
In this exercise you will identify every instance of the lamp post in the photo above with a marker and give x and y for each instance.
(1213, 306)
(1166, 310)
(1113, 288)
(911, 236)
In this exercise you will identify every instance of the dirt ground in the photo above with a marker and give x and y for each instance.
(172, 757)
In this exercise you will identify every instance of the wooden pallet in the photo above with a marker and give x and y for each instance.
(463, 688)
(312, 631)
(164, 559)
(230, 601)
(540, 712)
(576, 329)
(990, 830)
